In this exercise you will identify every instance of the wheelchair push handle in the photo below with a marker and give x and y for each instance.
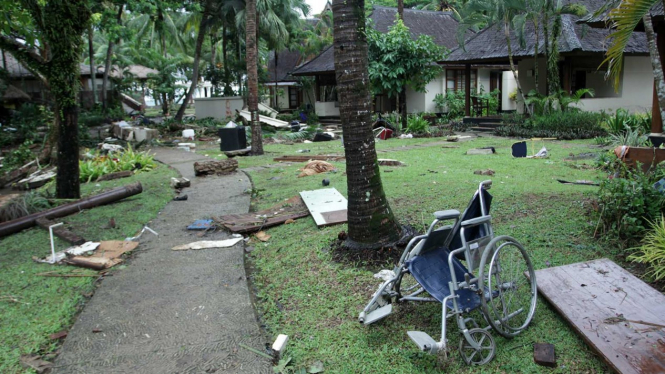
(485, 185)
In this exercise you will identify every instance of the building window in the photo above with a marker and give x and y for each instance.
(294, 99)
(455, 80)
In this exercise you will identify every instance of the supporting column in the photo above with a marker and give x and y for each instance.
(467, 90)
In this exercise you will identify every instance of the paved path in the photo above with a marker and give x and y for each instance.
(174, 311)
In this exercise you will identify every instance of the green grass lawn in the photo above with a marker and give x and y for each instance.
(46, 305)
(303, 293)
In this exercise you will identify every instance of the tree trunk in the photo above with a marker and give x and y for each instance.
(107, 64)
(658, 77)
(371, 222)
(513, 69)
(402, 103)
(535, 55)
(251, 52)
(400, 9)
(553, 61)
(276, 103)
(227, 73)
(93, 71)
(197, 57)
(165, 105)
(546, 29)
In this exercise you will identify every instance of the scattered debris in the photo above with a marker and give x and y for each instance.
(543, 153)
(315, 167)
(327, 206)
(110, 225)
(262, 236)
(141, 233)
(60, 232)
(481, 151)
(57, 257)
(215, 167)
(581, 156)
(383, 133)
(115, 175)
(325, 182)
(647, 156)
(323, 137)
(303, 151)
(289, 221)
(180, 198)
(107, 255)
(179, 183)
(389, 162)
(238, 152)
(36, 179)
(205, 244)
(7, 228)
(58, 335)
(278, 347)
(581, 182)
(342, 235)
(485, 172)
(36, 363)
(519, 149)
(292, 208)
(453, 138)
(96, 330)
(309, 158)
(110, 148)
(543, 354)
(202, 224)
(406, 136)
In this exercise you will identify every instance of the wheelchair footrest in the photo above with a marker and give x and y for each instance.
(377, 314)
(423, 341)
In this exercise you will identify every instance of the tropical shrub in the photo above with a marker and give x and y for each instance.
(119, 161)
(652, 250)
(630, 137)
(452, 103)
(25, 122)
(560, 125)
(622, 121)
(628, 201)
(416, 124)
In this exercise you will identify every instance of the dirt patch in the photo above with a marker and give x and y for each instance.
(370, 258)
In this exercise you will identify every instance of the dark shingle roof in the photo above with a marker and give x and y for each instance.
(286, 62)
(441, 26)
(323, 63)
(601, 21)
(490, 43)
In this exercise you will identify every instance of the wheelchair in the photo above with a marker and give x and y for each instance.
(439, 266)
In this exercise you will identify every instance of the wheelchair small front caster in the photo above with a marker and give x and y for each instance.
(485, 351)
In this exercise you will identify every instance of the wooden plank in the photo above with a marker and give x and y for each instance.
(293, 208)
(543, 354)
(338, 216)
(308, 158)
(60, 231)
(325, 200)
(600, 299)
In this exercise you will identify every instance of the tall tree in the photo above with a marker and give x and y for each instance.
(114, 30)
(202, 30)
(398, 61)
(625, 17)
(371, 222)
(49, 41)
(251, 46)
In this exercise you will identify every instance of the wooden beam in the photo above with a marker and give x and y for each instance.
(467, 90)
(60, 231)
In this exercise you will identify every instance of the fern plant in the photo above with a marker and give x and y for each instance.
(652, 250)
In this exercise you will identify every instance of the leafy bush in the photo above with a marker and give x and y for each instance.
(652, 250)
(622, 121)
(18, 157)
(416, 124)
(127, 160)
(628, 202)
(25, 120)
(630, 137)
(561, 125)
(28, 203)
(452, 102)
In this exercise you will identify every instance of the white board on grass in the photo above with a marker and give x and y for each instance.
(327, 206)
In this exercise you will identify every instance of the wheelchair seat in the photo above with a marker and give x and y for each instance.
(432, 271)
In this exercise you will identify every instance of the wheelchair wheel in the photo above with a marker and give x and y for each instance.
(481, 355)
(405, 285)
(508, 296)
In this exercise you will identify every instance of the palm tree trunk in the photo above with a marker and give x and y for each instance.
(107, 64)
(553, 60)
(513, 69)
(535, 55)
(93, 71)
(658, 76)
(203, 26)
(546, 30)
(400, 9)
(371, 222)
(251, 52)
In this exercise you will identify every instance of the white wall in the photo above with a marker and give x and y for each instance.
(508, 84)
(483, 78)
(326, 108)
(218, 108)
(636, 91)
(418, 102)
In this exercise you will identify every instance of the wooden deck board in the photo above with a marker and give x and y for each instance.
(595, 297)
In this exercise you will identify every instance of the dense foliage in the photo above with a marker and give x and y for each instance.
(560, 125)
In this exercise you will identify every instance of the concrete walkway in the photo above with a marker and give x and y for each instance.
(174, 311)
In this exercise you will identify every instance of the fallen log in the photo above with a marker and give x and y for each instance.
(60, 231)
(17, 174)
(215, 167)
(115, 175)
(113, 195)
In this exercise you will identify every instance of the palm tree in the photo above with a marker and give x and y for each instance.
(478, 13)
(625, 17)
(251, 47)
(371, 222)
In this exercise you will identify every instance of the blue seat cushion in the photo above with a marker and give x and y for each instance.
(432, 271)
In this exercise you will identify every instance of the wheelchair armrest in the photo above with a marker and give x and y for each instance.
(476, 221)
(443, 215)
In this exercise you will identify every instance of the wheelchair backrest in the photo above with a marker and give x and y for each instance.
(475, 237)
